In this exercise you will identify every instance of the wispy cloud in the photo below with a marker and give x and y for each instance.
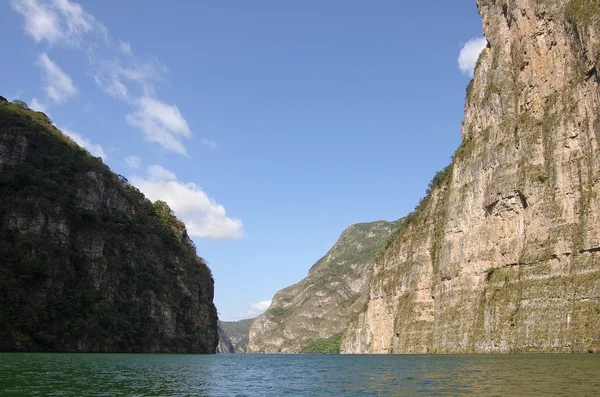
(122, 75)
(203, 217)
(133, 162)
(57, 21)
(161, 123)
(112, 85)
(157, 173)
(77, 22)
(113, 76)
(469, 54)
(41, 21)
(211, 144)
(125, 47)
(38, 106)
(91, 147)
(59, 86)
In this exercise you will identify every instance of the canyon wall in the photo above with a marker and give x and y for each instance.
(87, 263)
(503, 254)
(322, 305)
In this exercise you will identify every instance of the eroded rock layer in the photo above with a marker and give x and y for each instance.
(322, 305)
(503, 256)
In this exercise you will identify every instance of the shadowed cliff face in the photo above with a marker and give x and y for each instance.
(225, 345)
(234, 335)
(321, 305)
(86, 262)
(504, 255)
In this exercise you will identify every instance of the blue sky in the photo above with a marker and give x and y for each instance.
(268, 126)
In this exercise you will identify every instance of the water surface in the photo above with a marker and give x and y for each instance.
(41, 374)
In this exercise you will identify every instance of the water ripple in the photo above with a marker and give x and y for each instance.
(107, 375)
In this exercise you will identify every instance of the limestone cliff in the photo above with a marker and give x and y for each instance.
(503, 256)
(225, 345)
(234, 336)
(321, 305)
(86, 262)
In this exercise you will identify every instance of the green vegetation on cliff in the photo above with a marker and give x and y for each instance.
(87, 263)
(330, 345)
(324, 303)
(502, 254)
(440, 180)
(237, 333)
(582, 11)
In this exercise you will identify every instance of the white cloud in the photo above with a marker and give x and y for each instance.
(38, 106)
(161, 123)
(91, 147)
(125, 47)
(261, 306)
(123, 75)
(113, 86)
(112, 77)
(209, 143)
(144, 73)
(469, 54)
(203, 217)
(59, 85)
(158, 174)
(253, 310)
(76, 20)
(133, 162)
(57, 21)
(41, 22)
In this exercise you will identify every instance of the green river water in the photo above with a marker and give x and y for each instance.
(41, 374)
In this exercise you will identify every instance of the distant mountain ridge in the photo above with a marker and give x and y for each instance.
(322, 305)
(234, 335)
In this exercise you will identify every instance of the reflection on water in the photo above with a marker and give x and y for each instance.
(39, 374)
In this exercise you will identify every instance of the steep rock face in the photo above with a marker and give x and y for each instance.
(322, 304)
(235, 334)
(225, 345)
(503, 255)
(86, 262)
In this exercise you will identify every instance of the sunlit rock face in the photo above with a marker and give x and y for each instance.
(323, 304)
(503, 255)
